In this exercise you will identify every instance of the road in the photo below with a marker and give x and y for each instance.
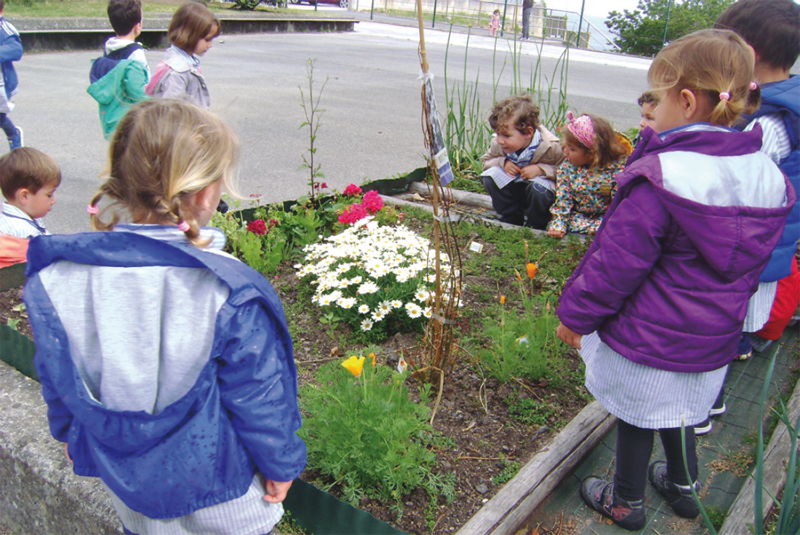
(370, 128)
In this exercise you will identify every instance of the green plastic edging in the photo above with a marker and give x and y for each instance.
(17, 350)
(393, 186)
(386, 186)
(12, 277)
(319, 513)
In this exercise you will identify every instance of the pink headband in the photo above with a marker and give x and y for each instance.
(724, 96)
(93, 210)
(183, 226)
(582, 129)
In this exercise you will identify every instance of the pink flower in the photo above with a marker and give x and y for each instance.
(257, 227)
(372, 202)
(352, 190)
(353, 213)
(272, 224)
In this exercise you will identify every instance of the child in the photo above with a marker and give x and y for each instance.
(519, 168)
(494, 24)
(173, 382)
(647, 103)
(10, 51)
(586, 185)
(28, 179)
(191, 32)
(656, 304)
(119, 76)
(772, 28)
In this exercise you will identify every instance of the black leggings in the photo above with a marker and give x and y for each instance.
(634, 447)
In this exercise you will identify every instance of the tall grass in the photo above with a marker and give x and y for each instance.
(467, 132)
(788, 517)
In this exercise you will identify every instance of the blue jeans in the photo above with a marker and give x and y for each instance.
(7, 126)
(521, 203)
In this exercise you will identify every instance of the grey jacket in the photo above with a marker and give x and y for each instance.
(176, 77)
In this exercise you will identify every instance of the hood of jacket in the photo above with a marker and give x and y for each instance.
(731, 223)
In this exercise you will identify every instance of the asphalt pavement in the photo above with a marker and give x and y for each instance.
(371, 124)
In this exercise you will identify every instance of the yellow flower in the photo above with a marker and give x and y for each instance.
(502, 299)
(354, 365)
(372, 356)
(531, 270)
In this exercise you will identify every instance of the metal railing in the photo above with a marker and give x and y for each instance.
(551, 25)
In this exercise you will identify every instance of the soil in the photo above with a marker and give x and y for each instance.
(471, 413)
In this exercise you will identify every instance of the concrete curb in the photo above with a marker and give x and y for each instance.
(40, 493)
(39, 35)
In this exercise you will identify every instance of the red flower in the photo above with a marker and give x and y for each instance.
(257, 227)
(372, 202)
(353, 213)
(352, 190)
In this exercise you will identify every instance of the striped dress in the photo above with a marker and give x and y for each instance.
(777, 145)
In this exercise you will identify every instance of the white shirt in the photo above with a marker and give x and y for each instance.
(15, 222)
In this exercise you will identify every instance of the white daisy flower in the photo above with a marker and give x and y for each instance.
(413, 310)
(346, 302)
(366, 325)
(368, 287)
(378, 315)
(363, 309)
(397, 303)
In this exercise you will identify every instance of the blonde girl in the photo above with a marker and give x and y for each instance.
(585, 181)
(191, 31)
(166, 364)
(657, 303)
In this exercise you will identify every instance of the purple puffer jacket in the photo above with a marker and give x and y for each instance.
(668, 277)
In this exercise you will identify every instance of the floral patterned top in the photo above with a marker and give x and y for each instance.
(583, 196)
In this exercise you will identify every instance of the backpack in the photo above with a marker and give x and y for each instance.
(106, 63)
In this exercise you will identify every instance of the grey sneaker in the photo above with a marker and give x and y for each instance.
(679, 497)
(600, 496)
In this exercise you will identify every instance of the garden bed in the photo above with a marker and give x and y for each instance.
(487, 429)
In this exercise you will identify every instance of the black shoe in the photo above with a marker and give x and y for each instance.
(703, 428)
(600, 496)
(679, 497)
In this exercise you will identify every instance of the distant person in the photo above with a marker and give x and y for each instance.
(527, 7)
(191, 31)
(167, 364)
(656, 304)
(520, 165)
(494, 23)
(647, 104)
(772, 28)
(595, 153)
(28, 179)
(10, 51)
(119, 76)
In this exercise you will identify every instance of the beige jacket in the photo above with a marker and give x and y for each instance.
(548, 154)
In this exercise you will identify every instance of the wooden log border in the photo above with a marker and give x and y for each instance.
(503, 514)
(742, 511)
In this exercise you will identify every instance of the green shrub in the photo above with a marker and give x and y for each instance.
(365, 432)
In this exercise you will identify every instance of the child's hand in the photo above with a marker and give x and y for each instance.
(556, 233)
(276, 490)
(66, 451)
(531, 171)
(568, 336)
(511, 168)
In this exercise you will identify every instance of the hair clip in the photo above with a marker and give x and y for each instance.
(753, 86)
(582, 129)
(183, 226)
(93, 210)
(724, 96)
